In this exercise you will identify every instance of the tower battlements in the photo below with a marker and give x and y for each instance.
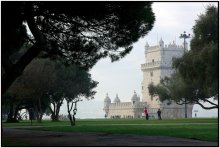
(169, 46)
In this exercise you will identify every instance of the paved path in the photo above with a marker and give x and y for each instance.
(47, 138)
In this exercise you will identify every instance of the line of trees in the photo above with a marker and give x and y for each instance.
(46, 87)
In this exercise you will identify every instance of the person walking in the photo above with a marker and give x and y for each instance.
(159, 114)
(146, 113)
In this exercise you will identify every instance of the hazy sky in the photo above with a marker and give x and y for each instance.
(125, 76)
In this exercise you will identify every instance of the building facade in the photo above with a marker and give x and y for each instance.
(158, 64)
(118, 109)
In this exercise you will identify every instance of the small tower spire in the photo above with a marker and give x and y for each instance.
(147, 45)
(161, 43)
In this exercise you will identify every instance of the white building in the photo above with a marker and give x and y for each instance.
(158, 64)
(117, 109)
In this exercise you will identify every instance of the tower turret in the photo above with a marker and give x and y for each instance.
(117, 100)
(161, 43)
(107, 101)
(135, 98)
(146, 46)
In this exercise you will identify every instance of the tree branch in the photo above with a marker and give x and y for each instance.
(204, 107)
(71, 106)
(210, 102)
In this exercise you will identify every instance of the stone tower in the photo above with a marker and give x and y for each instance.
(158, 64)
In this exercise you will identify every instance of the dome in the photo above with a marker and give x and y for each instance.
(117, 100)
(107, 99)
(134, 97)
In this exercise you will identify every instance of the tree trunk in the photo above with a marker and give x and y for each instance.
(58, 111)
(69, 113)
(12, 71)
(74, 121)
(40, 113)
(37, 114)
(55, 112)
(54, 117)
(12, 116)
(74, 113)
(71, 119)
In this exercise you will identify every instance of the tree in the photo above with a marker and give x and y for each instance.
(31, 88)
(37, 81)
(12, 105)
(76, 84)
(56, 100)
(57, 88)
(196, 78)
(79, 32)
(47, 86)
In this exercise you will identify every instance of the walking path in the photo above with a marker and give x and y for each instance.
(47, 138)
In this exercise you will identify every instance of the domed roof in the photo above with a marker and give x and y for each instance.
(107, 99)
(135, 97)
(117, 100)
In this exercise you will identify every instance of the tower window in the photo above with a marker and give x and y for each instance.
(151, 73)
(152, 60)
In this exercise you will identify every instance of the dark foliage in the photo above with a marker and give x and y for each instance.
(79, 32)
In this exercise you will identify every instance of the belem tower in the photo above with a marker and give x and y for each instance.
(158, 64)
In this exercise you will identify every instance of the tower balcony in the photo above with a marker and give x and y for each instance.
(151, 65)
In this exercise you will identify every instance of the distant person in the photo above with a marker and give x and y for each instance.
(195, 114)
(146, 113)
(159, 114)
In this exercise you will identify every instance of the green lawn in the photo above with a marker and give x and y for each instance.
(199, 128)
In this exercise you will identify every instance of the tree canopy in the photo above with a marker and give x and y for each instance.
(46, 87)
(196, 78)
(79, 32)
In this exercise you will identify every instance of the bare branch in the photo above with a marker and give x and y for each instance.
(204, 107)
(210, 102)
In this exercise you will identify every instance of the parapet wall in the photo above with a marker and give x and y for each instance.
(165, 47)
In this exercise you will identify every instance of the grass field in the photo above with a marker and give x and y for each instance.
(199, 128)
